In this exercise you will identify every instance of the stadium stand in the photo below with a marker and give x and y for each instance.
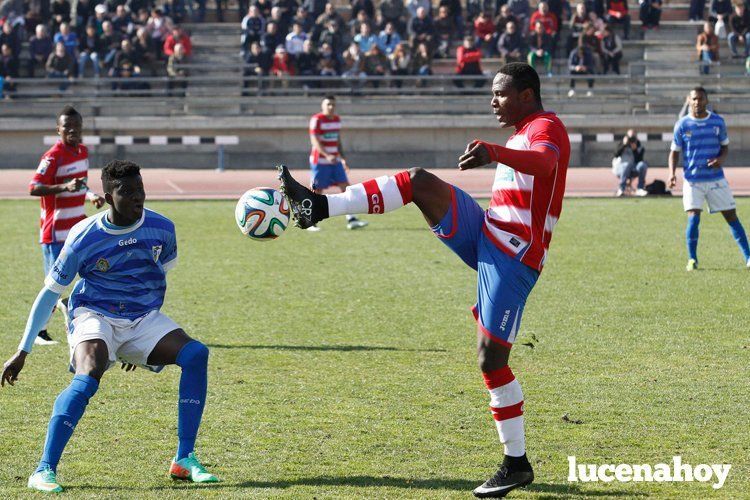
(214, 90)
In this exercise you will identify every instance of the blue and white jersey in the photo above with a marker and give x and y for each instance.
(700, 140)
(123, 270)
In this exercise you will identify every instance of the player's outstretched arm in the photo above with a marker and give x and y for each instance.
(674, 158)
(40, 313)
(540, 160)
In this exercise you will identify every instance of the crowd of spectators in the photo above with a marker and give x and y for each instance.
(727, 19)
(70, 39)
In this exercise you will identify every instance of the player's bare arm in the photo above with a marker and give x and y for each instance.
(71, 186)
(674, 158)
(539, 160)
(719, 161)
(317, 144)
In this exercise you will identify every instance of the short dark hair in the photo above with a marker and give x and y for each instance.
(700, 89)
(116, 170)
(329, 97)
(69, 111)
(523, 77)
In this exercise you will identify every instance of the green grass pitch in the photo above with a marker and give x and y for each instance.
(342, 363)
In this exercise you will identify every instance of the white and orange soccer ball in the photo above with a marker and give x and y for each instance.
(262, 214)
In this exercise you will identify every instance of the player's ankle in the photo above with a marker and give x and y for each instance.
(517, 463)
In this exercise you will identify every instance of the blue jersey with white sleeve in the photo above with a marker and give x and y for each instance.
(700, 140)
(122, 270)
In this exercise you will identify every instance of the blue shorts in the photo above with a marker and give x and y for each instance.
(50, 252)
(503, 282)
(325, 176)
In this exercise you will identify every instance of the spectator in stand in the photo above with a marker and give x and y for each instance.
(393, 11)
(60, 10)
(739, 23)
(277, 16)
(355, 25)
(421, 29)
(257, 64)
(388, 39)
(110, 43)
(503, 18)
(69, 39)
(159, 26)
(720, 10)
(314, 8)
(365, 6)
(365, 39)
(40, 47)
(521, 11)
(650, 13)
(617, 13)
(376, 64)
(330, 64)
(265, 7)
(707, 46)
(400, 62)
(307, 63)
(328, 15)
(281, 67)
(628, 164)
(10, 36)
(333, 37)
(304, 19)
(575, 25)
(469, 62)
(295, 40)
(444, 30)
(178, 36)
(456, 13)
(353, 66)
(696, 10)
(177, 72)
(125, 64)
(611, 51)
(484, 32)
(540, 48)
(581, 62)
(511, 45)
(60, 65)
(421, 63)
(90, 49)
(84, 10)
(592, 43)
(122, 21)
(413, 5)
(146, 52)
(549, 22)
(271, 38)
(288, 9)
(253, 26)
(597, 22)
(9, 65)
(100, 16)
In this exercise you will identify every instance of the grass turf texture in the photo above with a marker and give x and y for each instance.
(342, 363)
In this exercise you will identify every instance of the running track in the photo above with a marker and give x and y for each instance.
(178, 184)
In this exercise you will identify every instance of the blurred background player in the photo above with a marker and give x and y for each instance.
(60, 181)
(506, 244)
(701, 137)
(327, 161)
(122, 256)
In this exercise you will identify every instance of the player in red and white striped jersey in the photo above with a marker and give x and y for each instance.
(60, 181)
(327, 164)
(506, 244)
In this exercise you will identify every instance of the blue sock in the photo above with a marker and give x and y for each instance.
(691, 235)
(193, 359)
(740, 237)
(66, 412)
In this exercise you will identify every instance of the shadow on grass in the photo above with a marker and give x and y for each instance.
(547, 490)
(342, 348)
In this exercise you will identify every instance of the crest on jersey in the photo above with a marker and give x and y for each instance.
(102, 265)
(155, 252)
(43, 166)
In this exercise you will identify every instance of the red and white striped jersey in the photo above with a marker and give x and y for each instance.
(525, 208)
(327, 129)
(61, 211)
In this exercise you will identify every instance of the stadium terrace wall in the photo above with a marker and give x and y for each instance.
(372, 141)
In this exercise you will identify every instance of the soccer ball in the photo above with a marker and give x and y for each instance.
(262, 214)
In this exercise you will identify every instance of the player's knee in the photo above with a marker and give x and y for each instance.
(491, 357)
(194, 355)
(91, 368)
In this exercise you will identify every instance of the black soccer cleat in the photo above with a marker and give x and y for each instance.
(308, 208)
(505, 480)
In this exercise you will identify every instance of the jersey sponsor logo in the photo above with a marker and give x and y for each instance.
(156, 251)
(43, 166)
(59, 272)
(504, 173)
(377, 203)
(513, 241)
(102, 265)
(129, 241)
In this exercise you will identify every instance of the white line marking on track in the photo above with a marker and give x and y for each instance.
(175, 187)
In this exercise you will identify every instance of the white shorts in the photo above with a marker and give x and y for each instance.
(716, 193)
(129, 341)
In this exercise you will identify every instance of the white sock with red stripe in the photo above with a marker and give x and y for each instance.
(375, 196)
(506, 405)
